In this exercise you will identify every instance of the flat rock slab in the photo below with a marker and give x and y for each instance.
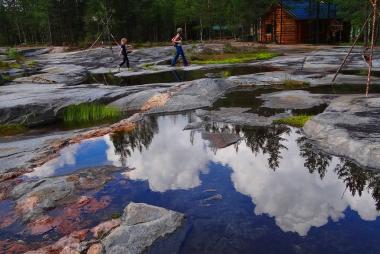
(141, 226)
(314, 79)
(68, 74)
(238, 116)
(220, 140)
(17, 154)
(196, 94)
(36, 104)
(294, 99)
(349, 127)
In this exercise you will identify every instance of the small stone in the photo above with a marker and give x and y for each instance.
(95, 249)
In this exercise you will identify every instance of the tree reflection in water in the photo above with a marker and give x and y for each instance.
(266, 140)
(140, 137)
(270, 141)
(356, 178)
(315, 160)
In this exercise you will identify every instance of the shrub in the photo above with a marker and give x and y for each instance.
(296, 121)
(12, 53)
(90, 112)
(11, 129)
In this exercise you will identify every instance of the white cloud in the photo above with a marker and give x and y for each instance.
(66, 158)
(295, 198)
(171, 162)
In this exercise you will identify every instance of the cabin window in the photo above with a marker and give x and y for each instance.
(269, 29)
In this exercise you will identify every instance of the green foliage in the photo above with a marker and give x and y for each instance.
(295, 84)
(72, 21)
(148, 66)
(90, 112)
(115, 215)
(232, 58)
(226, 74)
(296, 121)
(4, 65)
(13, 54)
(11, 129)
(31, 63)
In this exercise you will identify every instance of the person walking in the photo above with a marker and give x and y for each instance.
(177, 43)
(124, 52)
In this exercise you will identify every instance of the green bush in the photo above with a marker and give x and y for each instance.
(296, 121)
(4, 65)
(12, 53)
(11, 129)
(232, 58)
(296, 84)
(90, 112)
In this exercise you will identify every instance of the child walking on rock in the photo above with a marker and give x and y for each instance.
(124, 52)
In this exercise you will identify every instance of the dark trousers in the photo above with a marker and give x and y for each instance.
(125, 60)
(179, 52)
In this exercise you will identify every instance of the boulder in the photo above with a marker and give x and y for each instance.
(195, 94)
(238, 116)
(68, 74)
(17, 155)
(141, 226)
(349, 127)
(36, 104)
(294, 99)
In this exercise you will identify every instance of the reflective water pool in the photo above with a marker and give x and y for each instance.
(271, 192)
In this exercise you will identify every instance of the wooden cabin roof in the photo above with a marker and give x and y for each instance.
(306, 9)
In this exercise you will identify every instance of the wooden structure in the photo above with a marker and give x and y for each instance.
(302, 21)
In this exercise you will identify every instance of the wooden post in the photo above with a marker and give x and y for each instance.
(374, 17)
(282, 10)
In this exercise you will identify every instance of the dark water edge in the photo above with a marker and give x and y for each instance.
(179, 75)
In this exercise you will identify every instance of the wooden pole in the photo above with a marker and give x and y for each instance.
(282, 10)
(374, 17)
(352, 47)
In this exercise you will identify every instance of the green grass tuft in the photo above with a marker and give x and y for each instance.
(12, 53)
(296, 121)
(4, 65)
(149, 66)
(116, 215)
(90, 112)
(232, 58)
(11, 129)
(31, 63)
(226, 74)
(295, 84)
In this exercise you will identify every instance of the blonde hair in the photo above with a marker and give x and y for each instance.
(179, 30)
(124, 40)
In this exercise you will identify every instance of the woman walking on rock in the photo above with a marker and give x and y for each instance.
(177, 43)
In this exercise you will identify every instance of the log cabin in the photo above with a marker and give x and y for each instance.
(303, 21)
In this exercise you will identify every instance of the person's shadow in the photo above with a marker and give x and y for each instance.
(179, 76)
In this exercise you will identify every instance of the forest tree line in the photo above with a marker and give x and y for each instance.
(72, 22)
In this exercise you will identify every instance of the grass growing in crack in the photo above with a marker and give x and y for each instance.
(90, 113)
(296, 121)
(11, 129)
(295, 84)
(116, 216)
(232, 58)
(149, 66)
(5, 78)
(290, 84)
(13, 54)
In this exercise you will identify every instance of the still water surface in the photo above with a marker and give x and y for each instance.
(271, 192)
